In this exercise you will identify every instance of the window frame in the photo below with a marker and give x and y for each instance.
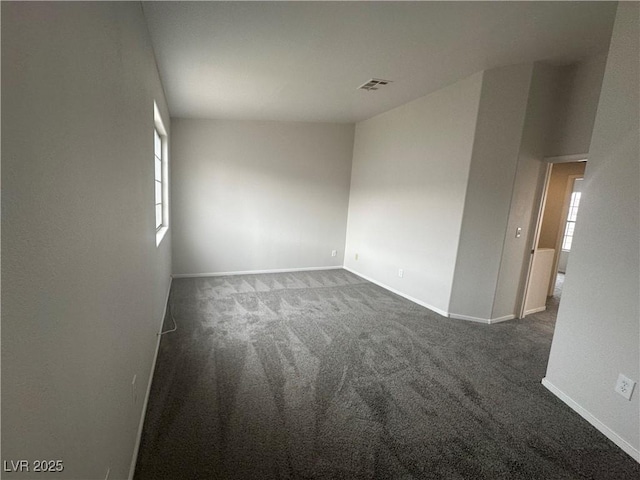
(157, 177)
(160, 130)
(570, 219)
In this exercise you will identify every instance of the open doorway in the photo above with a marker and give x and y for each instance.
(569, 225)
(554, 234)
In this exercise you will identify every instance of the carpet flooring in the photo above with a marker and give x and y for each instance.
(323, 375)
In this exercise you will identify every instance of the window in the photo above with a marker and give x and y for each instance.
(160, 176)
(571, 221)
(157, 153)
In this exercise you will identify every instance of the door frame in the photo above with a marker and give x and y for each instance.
(571, 179)
(549, 162)
(536, 237)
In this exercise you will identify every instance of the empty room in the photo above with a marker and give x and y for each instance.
(320, 240)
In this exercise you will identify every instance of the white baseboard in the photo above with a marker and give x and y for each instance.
(253, 272)
(502, 319)
(136, 447)
(397, 292)
(535, 310)
(584, 413)
(469, 318)
(488, 321)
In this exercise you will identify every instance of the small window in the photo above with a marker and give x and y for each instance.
(571, 221)
(160, 177)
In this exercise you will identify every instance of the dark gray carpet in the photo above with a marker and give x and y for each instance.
(322, 375)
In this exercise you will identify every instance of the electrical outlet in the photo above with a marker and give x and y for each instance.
(624, 386)
(334, 253)
(134, 390)
(356, 256)
(400, 273)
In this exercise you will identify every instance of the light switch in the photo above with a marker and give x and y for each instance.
(518, 232)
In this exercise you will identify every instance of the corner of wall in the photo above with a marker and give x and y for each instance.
(498, 134)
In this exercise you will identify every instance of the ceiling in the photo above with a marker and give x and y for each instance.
(304, 61)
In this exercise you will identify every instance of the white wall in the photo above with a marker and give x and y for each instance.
(259, 195)
(578, 92)
(498, 135)
(84, 285)
(410, 171)
(597, 331)
(527, 192)
(517, 128)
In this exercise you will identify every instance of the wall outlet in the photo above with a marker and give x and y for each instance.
(624, 386)
(134, 389)
(518, 232)
(334, 253)
(356, 256)
(401, 273)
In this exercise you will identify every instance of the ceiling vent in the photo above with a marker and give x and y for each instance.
(374, 84)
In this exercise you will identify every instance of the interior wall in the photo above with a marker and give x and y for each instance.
(579, 88)
(84, 285)
(559, 121)
(255, 195)
(597, 329)
(497, 142)
(408, 184)
(507, 177)
(527, 193)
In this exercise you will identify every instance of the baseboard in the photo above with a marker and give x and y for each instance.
(253, 272)
(469, 318)
(136, 447)
(397, 292)
(535, 310)
(502, 319)
(488, 321)
(601, 427)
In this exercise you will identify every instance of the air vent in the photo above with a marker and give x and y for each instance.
(374, 84)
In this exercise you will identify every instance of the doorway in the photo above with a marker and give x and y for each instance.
(553, 237)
